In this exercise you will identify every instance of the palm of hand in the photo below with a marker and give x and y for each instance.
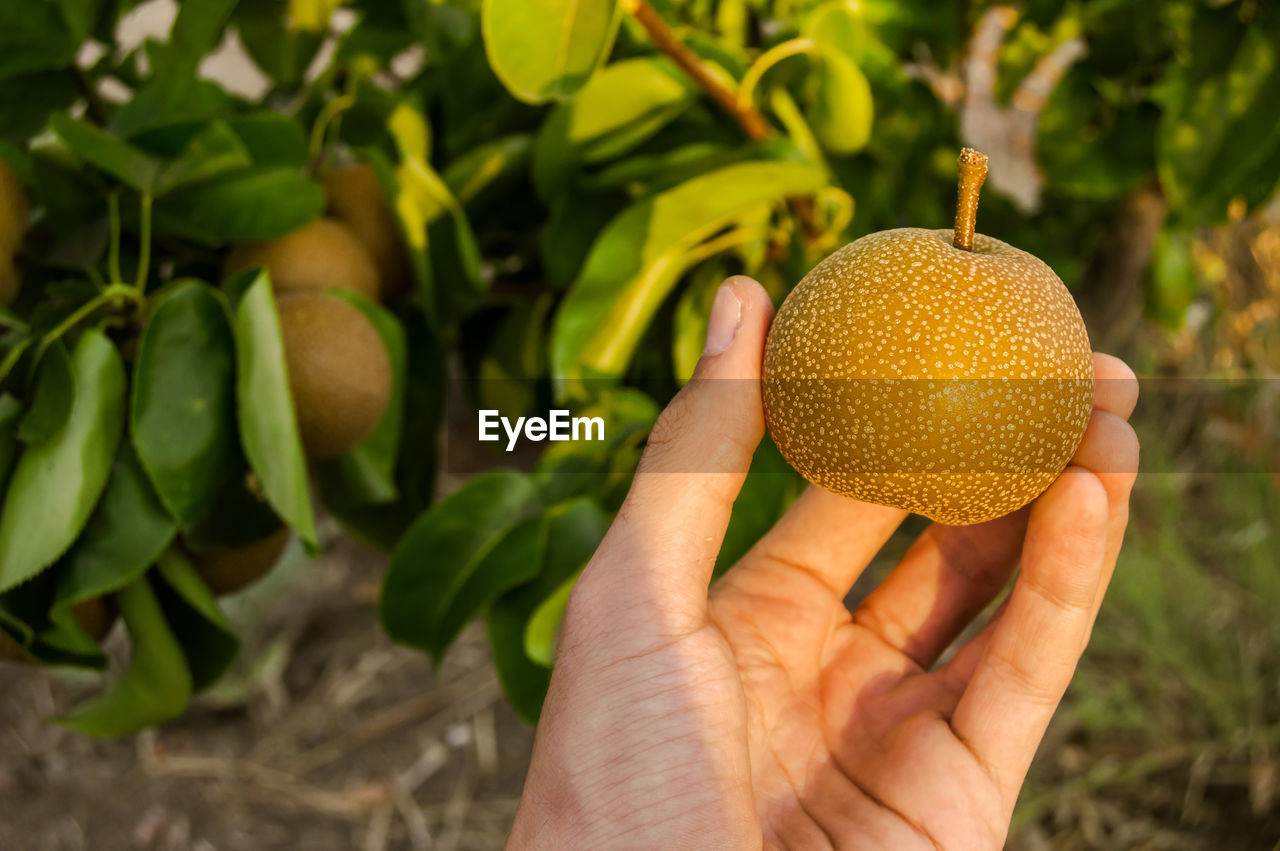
(847, 734)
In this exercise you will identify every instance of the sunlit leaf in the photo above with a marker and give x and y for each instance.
(547, 49)
(841, 111)
(643, 252)
(624, 104)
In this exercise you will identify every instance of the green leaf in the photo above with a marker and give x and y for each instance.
(126, 533)
(157, 684)
(841, 111)
(601, 468)
(1088, 148)
(104, 151)
(642, 253)
(577, 218)
(34, 37)
(56, 484)
(208, 641)
(623, 105)
(476, 170)
(165, 102)
(442, 246)
(25, 616)
(271, 139)
(256, 204)
(54, 394)
(541, 633)
(667, 168)
(839, 25)
(10, 415)
(575, 530)
(214, 150)
(1175, 281)
(516, 359)
(282, 52)
(183, 401)
(238, 517)
(513, 560)
(81, 16)
(549, 49)
(268, 426)
(26, 102)
(444, 547)
(196, 31)
(367, 474)
(1217, 135)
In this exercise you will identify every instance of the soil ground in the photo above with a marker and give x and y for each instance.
(326, 736)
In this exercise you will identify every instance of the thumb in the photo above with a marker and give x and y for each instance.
(675, 515)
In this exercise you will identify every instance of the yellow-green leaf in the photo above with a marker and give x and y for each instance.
(547, 49)
(841, 111)
(642, 253)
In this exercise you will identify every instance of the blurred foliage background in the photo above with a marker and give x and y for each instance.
(573, 180)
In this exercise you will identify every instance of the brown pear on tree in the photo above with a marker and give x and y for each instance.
(228, 569)
(356, 199)
(339, 371)
(939, 371)
(321, 254)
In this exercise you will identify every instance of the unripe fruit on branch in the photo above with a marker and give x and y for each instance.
(228, 569)
(356, 200)
(318, 255)
(339, 371)
(939, 371)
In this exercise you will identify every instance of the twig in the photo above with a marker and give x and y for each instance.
(665, 40)
(477, 685)
(741, 110)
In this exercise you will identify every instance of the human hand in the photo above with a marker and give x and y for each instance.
(766, 714)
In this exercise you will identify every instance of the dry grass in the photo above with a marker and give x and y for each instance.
(326, 736)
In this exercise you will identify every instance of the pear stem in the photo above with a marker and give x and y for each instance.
(973, 172)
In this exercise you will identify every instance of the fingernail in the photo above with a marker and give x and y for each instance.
(726, 318)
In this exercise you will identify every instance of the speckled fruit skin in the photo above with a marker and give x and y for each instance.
(318, 255)
(356, 200)
(339, 371)
(907, 372)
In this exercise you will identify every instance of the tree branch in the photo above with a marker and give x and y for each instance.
(750, 119)
(745, 114)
